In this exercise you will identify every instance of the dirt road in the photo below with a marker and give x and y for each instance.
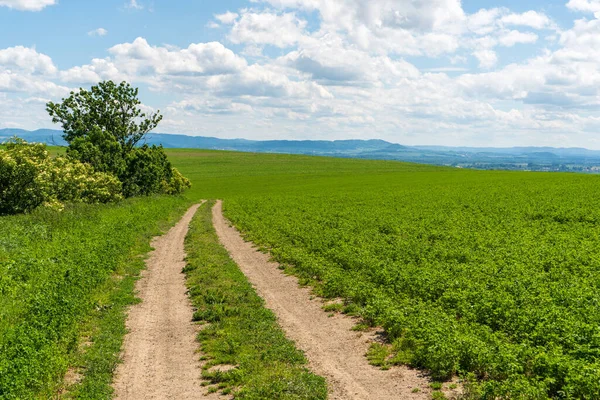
(159, 358)
(332, 348)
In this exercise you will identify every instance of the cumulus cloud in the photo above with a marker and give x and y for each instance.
(530, 18)
(98, 70)
(410, 27)
(509, 39)
(199, 67)
(267, 28)
(568, 77)
(487, 58)
(227, 18)
(584, 5)
(327, 60)
(26, 71)
(409, 14)
(26, 59)
(260, 81)
(15, 82)
(484, 21)
(27, 5)
(211, 106)
(139, 57)
(356, 69)
(98, 32)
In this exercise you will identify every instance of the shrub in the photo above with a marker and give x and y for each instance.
(29, 178)
(148, 171)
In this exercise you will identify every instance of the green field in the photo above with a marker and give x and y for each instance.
(493, 273)
(493, 276)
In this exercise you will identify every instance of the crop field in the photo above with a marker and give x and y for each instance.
(492, 276)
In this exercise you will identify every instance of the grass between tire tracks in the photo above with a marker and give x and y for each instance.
(239, 331)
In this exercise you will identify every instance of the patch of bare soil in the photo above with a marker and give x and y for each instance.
(160, 359)
(332, 348)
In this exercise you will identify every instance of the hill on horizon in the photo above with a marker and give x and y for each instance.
(513, 158)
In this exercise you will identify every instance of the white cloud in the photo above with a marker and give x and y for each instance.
(327, 60)
(411, 27)
(98, 70)
(140, 58)
(261, 81)
(25, 73)
(267, 28)
(227, 18)
(407, 14)
(18, 110)
(509, 39)
(350, 73)
(27, 5)
(210, 106)
(14, 82)
(134, 5)
(530, 18)
(253, 50)
(487, 58)
(26, 59)
(98, 32)
(484, 21)
(584, 5)
(447, 69)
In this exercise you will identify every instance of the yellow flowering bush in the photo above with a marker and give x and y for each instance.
(30, 177)
(176, 184)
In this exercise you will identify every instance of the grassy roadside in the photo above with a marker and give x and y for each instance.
(239, 331)
(101, 335)
(65, 282)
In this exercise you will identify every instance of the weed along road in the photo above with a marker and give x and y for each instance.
(159, 357)
(332, 348)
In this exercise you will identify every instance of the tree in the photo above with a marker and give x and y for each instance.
(104, 127)
(112, 108)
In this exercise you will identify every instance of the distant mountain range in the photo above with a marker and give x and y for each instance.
(514, 158)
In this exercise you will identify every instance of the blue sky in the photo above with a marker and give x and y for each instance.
(478, 73)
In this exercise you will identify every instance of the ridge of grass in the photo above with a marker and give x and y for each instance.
(239, 331)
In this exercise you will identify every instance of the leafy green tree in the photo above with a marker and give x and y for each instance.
(112, 108)
(148, 171)
(104, 127)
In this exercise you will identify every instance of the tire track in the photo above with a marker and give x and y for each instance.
(332, 348)
(160, 359)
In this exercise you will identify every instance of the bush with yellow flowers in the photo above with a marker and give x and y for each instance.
(30, 177)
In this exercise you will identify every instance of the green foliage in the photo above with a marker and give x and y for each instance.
(148, 171)
(29, 177)
(65, 279)
(378, 354)
(491, 272)
(496, 273)
(112, 108)
(104, 127)
(100, 149)
(240, 331)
